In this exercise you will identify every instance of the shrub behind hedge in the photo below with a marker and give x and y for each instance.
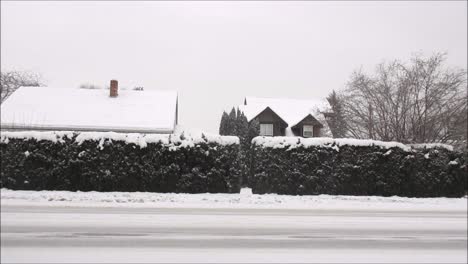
(326, 166)
(112, 162)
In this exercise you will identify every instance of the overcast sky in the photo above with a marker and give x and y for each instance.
(215, 53)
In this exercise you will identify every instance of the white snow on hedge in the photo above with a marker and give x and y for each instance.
(294, 142)
(224, 200)
(170, 140)
(431, 145)
(54, 136)
(191, 139)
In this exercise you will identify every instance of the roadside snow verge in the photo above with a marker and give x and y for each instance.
(222, 200)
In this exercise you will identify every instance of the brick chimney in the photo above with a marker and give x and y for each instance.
(114, 88)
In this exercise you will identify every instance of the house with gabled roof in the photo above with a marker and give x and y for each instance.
(286, 117)
(101, 110)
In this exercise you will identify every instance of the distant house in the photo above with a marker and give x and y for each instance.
(128, 111)
(285, 117)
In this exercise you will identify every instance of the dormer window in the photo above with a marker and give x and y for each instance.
(308, 131)
(266, 129)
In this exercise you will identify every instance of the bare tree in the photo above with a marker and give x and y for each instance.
(12, 80)
(418, 102)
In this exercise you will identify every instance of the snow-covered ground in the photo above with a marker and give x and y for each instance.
(51, 227)
(222, 200)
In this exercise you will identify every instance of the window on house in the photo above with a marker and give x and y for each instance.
(308, 131)
(266, 129)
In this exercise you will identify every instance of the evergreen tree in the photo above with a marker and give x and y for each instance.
(236, 124)
(238, 112)
(231, 128)
(223, 123)
(254, 130)
(242, 129)
(335, 119)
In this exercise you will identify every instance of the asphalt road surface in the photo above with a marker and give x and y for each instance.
(87, 234)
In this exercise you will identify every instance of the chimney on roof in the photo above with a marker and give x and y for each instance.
(114, 88)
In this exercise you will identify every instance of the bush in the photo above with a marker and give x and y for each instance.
(116, 162)
(340, 167)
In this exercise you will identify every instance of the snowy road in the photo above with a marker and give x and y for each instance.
(119, 234)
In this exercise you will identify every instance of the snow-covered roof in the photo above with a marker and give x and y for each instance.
(47, 108)
(292, 111)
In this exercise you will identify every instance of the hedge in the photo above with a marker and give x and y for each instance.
(355, 167)
(118, 162)
(178, 163)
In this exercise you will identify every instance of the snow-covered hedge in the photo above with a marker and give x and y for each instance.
(198, 163)
(335, 143)
(119, 162)
(175, 141)
(291, 165)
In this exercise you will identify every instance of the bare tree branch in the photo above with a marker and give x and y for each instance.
(12, 80)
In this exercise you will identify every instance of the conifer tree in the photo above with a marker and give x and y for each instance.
(236, 124)
(231, 128)
(222, 124)
(336, 120)
(254, 130)
(242, 129)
